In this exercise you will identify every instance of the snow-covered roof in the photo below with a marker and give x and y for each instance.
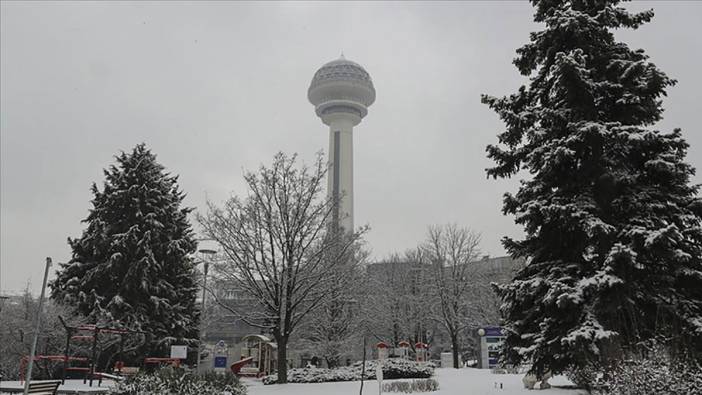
(261, 338)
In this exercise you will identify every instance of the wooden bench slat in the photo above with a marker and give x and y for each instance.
(44, 387)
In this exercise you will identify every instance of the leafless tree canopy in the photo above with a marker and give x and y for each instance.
(279, 245)
(451, 251)
(334, 331)
(398, 302)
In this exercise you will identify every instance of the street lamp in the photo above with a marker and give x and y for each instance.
(206, 266)
(37, 325)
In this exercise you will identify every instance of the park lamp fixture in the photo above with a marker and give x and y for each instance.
(210, 253)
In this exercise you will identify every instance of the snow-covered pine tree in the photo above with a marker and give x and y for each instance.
(132, 264)
(613, 226)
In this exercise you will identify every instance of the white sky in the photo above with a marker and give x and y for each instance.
(216, 88)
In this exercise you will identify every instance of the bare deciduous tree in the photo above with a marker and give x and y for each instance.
(334, 330)
(16, 333)
(398, 299)
(451, 250)
(280, 247)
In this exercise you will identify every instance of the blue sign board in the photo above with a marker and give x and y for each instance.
(493, 331)
(220, 362)
(490, 345)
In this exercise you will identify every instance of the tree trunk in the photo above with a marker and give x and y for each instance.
(455, 350)
(282, 359)
(363, 367)
(333, 362)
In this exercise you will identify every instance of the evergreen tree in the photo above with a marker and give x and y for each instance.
(613, 226)
(131, 267)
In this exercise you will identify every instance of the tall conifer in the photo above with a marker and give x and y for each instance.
(613, 226)
(131, 267)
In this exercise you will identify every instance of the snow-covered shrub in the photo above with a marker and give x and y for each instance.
(392, 369)
(170, 381)
(401, 369)
(587, 377)
(659, 376)
(315, 375)
(408, 387)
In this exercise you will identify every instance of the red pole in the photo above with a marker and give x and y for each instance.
(92, 360)
(23, 368)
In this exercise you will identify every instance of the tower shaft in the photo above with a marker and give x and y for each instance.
(340, 174)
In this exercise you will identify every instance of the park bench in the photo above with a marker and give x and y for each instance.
(175, 362)
(129, 370)
(44, 387)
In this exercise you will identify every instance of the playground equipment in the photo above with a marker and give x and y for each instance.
(73, 334)
(262, 353)
(402, 349)
(24, 361)
(237, 366)
(95, 332)
(382, 350)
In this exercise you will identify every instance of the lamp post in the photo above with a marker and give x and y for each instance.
(206, 267)
(28, 376)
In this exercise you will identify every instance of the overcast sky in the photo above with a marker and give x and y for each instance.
(214, 89)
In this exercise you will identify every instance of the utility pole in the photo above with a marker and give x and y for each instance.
(37, 325)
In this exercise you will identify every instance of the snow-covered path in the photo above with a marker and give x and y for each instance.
(451, 382)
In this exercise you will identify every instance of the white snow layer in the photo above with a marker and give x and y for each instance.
(451, 382)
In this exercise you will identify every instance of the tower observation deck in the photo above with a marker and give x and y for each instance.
(341, 92)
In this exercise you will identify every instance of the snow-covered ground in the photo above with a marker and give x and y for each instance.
(72, 386)
(451, 382)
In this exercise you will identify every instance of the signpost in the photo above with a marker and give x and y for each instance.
(491, 338)
(379, 376)
(179, 352)
(221, 352)
(446, 359)
(220, 362)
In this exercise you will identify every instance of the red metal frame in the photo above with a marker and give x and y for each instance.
(56, 358)
(96, 330)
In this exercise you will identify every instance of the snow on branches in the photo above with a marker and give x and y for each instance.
(613, 226)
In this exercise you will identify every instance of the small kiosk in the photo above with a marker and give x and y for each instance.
(381, 350)
(491, 339)
(402, 349)
(422, 351)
